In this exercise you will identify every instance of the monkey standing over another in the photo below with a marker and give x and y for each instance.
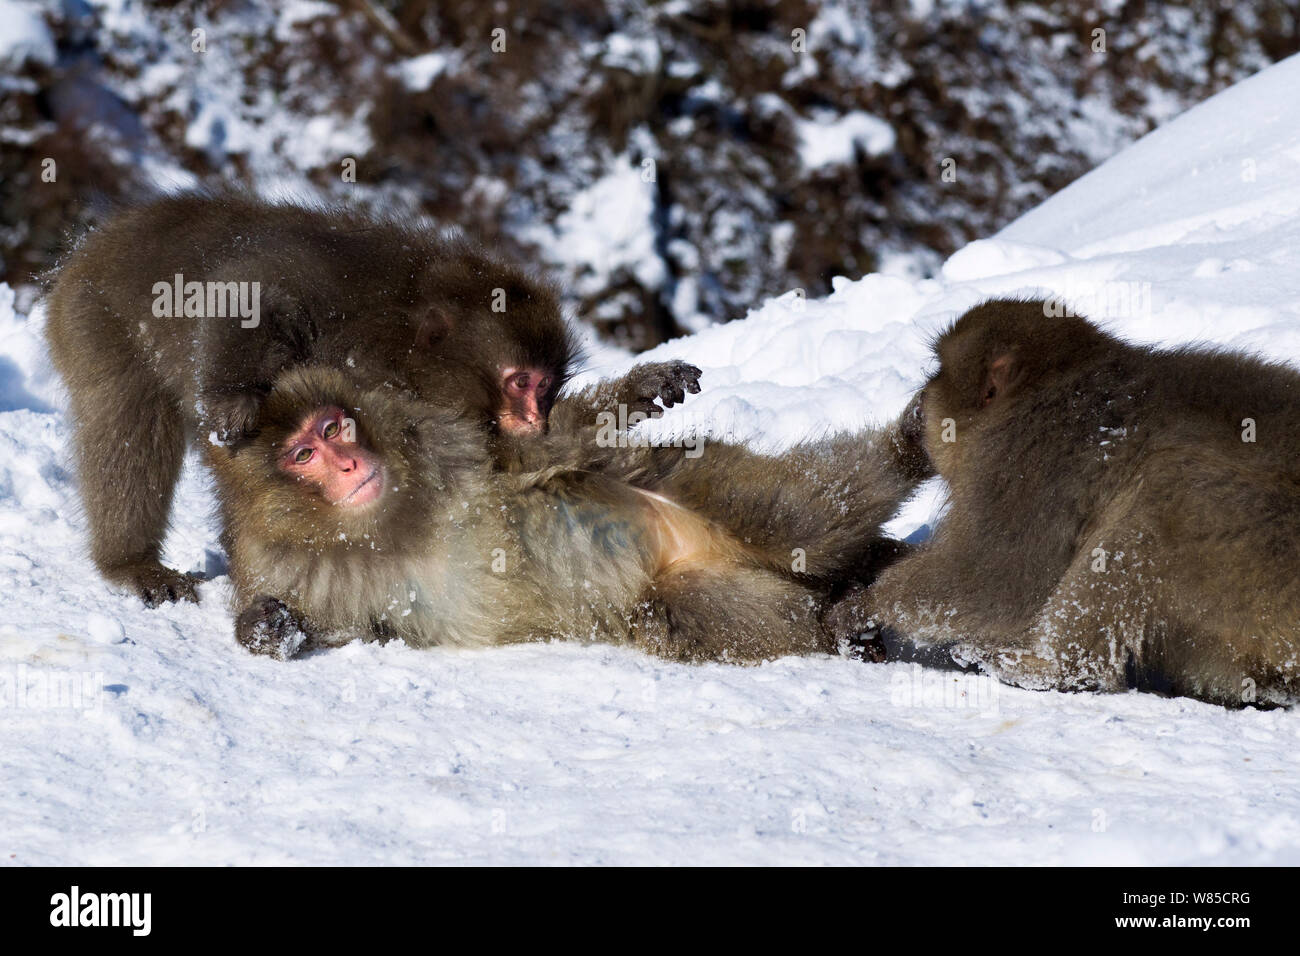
(279, 285)
(1120, 516)
(352, 512)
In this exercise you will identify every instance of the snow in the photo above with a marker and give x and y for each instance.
(419, 72)
(607, 228)
(832, 141)
(24, 37)
(136, 736)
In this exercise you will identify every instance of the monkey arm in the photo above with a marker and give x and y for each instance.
(241, 363)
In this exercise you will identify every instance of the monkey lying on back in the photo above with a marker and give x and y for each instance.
(357, 512)
(176, 317)
(1119, 515)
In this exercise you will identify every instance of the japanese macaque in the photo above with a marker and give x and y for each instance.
(1120, 516)
(175, 318)
(352, 512)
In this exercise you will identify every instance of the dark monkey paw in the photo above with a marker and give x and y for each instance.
(867, 646)
(227, 416)
(268, 626)
(156, 584)
(858, 636)
(909, 439)
(667, 382)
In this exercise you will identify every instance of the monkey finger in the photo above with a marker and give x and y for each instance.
(646, 407)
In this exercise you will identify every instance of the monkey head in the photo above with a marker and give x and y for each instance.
(490, 339)
(987, 359)
(324, 453)
(331, 466)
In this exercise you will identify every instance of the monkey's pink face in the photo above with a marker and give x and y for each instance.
(324, 453)
(526, 400)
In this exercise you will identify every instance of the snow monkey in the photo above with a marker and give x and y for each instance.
(1120, 516)
(175, 318)
(360, 512)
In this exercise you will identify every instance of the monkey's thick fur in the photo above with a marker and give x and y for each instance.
(393, 303)
(687, 558)
(1120, 516)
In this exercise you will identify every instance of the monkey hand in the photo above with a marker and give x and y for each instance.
(908, 437)
(157, 584)
(269, 626)
(667, 382)
(227, 416)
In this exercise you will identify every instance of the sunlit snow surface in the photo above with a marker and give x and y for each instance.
(173, 745)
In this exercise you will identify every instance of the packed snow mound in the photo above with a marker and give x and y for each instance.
(134, 736)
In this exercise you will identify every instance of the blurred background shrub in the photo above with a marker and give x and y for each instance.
(672, 162)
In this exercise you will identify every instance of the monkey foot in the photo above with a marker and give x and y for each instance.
(667, 382)
(846, 617)
(1012, 665)
(268, 626)
(868, 646)
(157, 585)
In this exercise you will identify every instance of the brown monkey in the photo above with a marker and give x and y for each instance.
(352, 512)
(176, 317)
(1120, 515)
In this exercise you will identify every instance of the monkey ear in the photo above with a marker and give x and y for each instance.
(997, 379)
(431, 328)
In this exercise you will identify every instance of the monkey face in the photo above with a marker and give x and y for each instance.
(526, 399)
(325, 454)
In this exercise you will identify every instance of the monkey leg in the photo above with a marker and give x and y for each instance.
(129, 438)
(1103, 621)
(813, 512)
(1173, 595)
(732, 613)
(925, 597)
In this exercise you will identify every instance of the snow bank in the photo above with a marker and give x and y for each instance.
(140, 736)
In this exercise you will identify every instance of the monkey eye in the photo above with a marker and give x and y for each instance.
(330, 430)
(302, 456)
(520, 381)
(544, 384)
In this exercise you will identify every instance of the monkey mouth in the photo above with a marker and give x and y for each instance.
(365, 492)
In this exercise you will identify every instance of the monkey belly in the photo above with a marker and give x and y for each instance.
(604, 547)
(681, 536)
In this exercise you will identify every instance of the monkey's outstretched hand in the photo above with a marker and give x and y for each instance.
(268, 626)
(667, 382)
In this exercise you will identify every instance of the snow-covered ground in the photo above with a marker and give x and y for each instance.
(134, 736)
